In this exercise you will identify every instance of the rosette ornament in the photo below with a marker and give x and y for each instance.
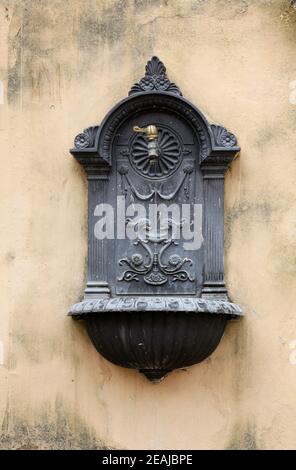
(169, 153)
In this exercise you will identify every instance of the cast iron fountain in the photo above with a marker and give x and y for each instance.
(155, 298)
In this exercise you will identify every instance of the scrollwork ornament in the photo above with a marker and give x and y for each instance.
(155, 271)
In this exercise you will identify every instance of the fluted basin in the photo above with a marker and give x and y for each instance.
(133, 333)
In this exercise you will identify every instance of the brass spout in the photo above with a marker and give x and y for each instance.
(152, 134)
(151, 131)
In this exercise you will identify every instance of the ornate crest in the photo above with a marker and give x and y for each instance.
(155, 79)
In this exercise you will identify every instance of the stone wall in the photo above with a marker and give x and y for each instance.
(62, 66)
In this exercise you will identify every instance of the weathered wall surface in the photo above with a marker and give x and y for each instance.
(63, 65)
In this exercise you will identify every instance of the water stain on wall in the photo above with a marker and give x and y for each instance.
(243, 438)
(67, 431)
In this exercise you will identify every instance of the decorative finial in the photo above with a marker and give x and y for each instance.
(155, 79)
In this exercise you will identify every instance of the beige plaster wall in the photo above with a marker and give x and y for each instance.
(63, 64)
